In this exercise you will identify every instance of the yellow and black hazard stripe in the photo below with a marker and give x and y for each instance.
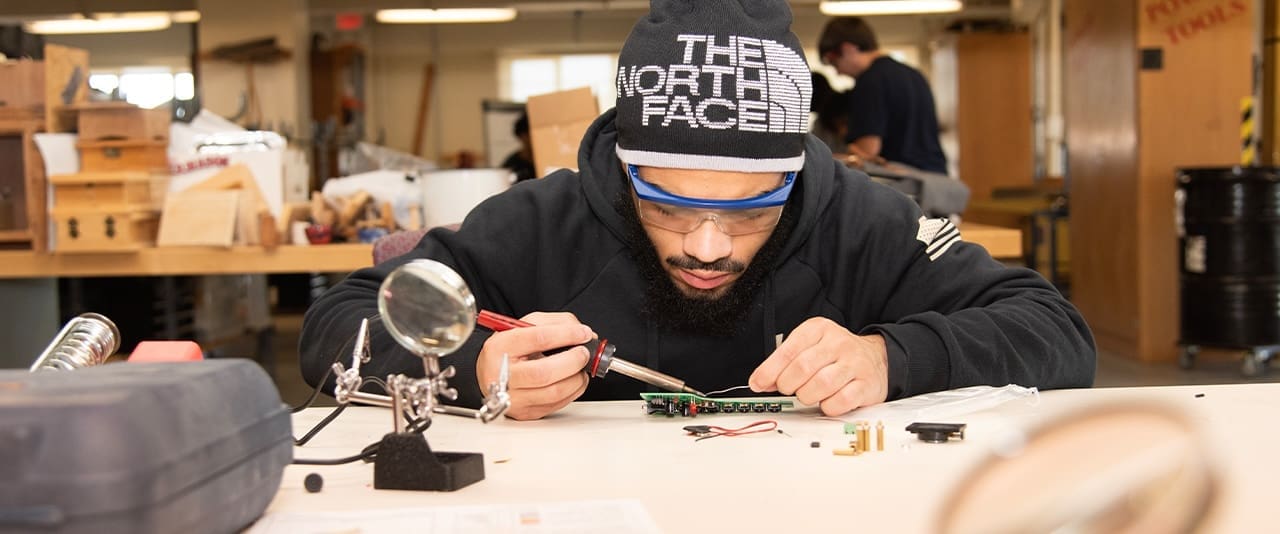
(1248, 141)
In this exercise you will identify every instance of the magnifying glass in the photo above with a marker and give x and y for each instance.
(1130, 468)
(427, 308)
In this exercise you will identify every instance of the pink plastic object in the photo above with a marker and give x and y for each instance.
(166, 351)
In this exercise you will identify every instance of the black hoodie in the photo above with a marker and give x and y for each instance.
(951, 315)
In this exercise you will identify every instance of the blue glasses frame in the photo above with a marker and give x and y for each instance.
(649, 192)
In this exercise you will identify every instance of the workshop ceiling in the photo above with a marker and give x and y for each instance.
(14, 9)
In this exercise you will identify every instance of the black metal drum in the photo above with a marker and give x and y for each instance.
(1229, 232)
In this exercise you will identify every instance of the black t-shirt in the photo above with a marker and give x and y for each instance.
(522, 168)
(893, 102)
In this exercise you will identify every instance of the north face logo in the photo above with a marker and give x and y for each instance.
(751, 84)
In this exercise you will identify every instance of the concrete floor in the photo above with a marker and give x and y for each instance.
(1113, 370)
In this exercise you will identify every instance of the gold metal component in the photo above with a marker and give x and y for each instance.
(864, 436)
(845, 452)
(879, 435)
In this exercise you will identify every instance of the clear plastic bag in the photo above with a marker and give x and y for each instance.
(941, 406)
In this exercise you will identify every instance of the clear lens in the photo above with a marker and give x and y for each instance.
(731, 222)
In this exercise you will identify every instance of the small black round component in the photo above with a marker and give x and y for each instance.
(314, 482)
(1198, 395)
(814, 444)
(937, 432)
(933, 437)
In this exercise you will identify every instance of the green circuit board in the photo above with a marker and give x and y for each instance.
(690, 405)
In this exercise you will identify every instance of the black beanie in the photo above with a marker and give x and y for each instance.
(714, 85)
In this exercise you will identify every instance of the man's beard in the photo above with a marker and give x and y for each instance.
(708, 314)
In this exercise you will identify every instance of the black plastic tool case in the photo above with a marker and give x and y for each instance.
(165, 447)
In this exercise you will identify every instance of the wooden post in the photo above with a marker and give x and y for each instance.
(424, 105)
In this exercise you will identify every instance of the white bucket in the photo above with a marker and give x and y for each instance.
(447, 196)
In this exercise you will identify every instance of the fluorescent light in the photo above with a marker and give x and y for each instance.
(888, 7)
(445, 16)
(185, 17)
(106, 24)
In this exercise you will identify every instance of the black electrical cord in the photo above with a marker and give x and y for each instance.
(417, 426)
(367, 454)
(315, 393)
(298, 442)
(364, 455)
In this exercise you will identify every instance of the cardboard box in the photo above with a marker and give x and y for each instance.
(557, 122)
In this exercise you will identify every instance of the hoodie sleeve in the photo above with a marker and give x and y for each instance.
(330, 324)
(954, 317)
(491, 251)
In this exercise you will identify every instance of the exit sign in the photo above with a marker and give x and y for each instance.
(349, 21)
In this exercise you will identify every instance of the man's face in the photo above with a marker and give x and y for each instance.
(705, 262)
(848, 60)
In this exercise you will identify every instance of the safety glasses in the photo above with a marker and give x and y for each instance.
(685, 214)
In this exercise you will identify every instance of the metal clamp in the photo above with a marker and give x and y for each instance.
(415, 398)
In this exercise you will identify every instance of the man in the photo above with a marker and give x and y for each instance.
(704, 226)
(891, 111)
(520, 161)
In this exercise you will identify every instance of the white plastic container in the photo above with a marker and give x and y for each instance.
(447, 196)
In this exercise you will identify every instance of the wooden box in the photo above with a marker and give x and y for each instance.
(22, 85)
(123, 189)
(121, 121)
(84, 230)
(109, 156)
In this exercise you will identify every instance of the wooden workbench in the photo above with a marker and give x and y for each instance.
(168, 261)
(1002, 243)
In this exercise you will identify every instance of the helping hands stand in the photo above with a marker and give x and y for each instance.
(405, 461)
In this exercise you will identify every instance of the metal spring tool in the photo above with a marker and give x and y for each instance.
(86, 340)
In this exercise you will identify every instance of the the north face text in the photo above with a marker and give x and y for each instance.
(754, 85)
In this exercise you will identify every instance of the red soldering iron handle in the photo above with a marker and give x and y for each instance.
(597, 347)
(498, 322)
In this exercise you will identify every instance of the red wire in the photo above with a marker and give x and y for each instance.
(766, 426)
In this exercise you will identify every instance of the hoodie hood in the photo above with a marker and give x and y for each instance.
(603, 181)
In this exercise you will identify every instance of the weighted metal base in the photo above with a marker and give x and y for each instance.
(406, 462)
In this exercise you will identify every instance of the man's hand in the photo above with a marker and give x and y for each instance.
(823, 363)
(538, 385)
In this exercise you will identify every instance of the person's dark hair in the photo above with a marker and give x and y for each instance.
(852, 30)
(821, 91)
(834, 112)
(522, 125)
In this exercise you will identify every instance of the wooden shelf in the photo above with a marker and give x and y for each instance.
(172, 261)
(1002, 243)
(15, 236)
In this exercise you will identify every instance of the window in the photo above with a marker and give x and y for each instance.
(145, 87)
(527, 75)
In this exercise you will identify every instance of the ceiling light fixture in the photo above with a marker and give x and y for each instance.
(101, 24)
(445, 16)
(888, 7)
(185, 17)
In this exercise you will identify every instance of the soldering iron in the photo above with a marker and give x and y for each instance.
(602, 356)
